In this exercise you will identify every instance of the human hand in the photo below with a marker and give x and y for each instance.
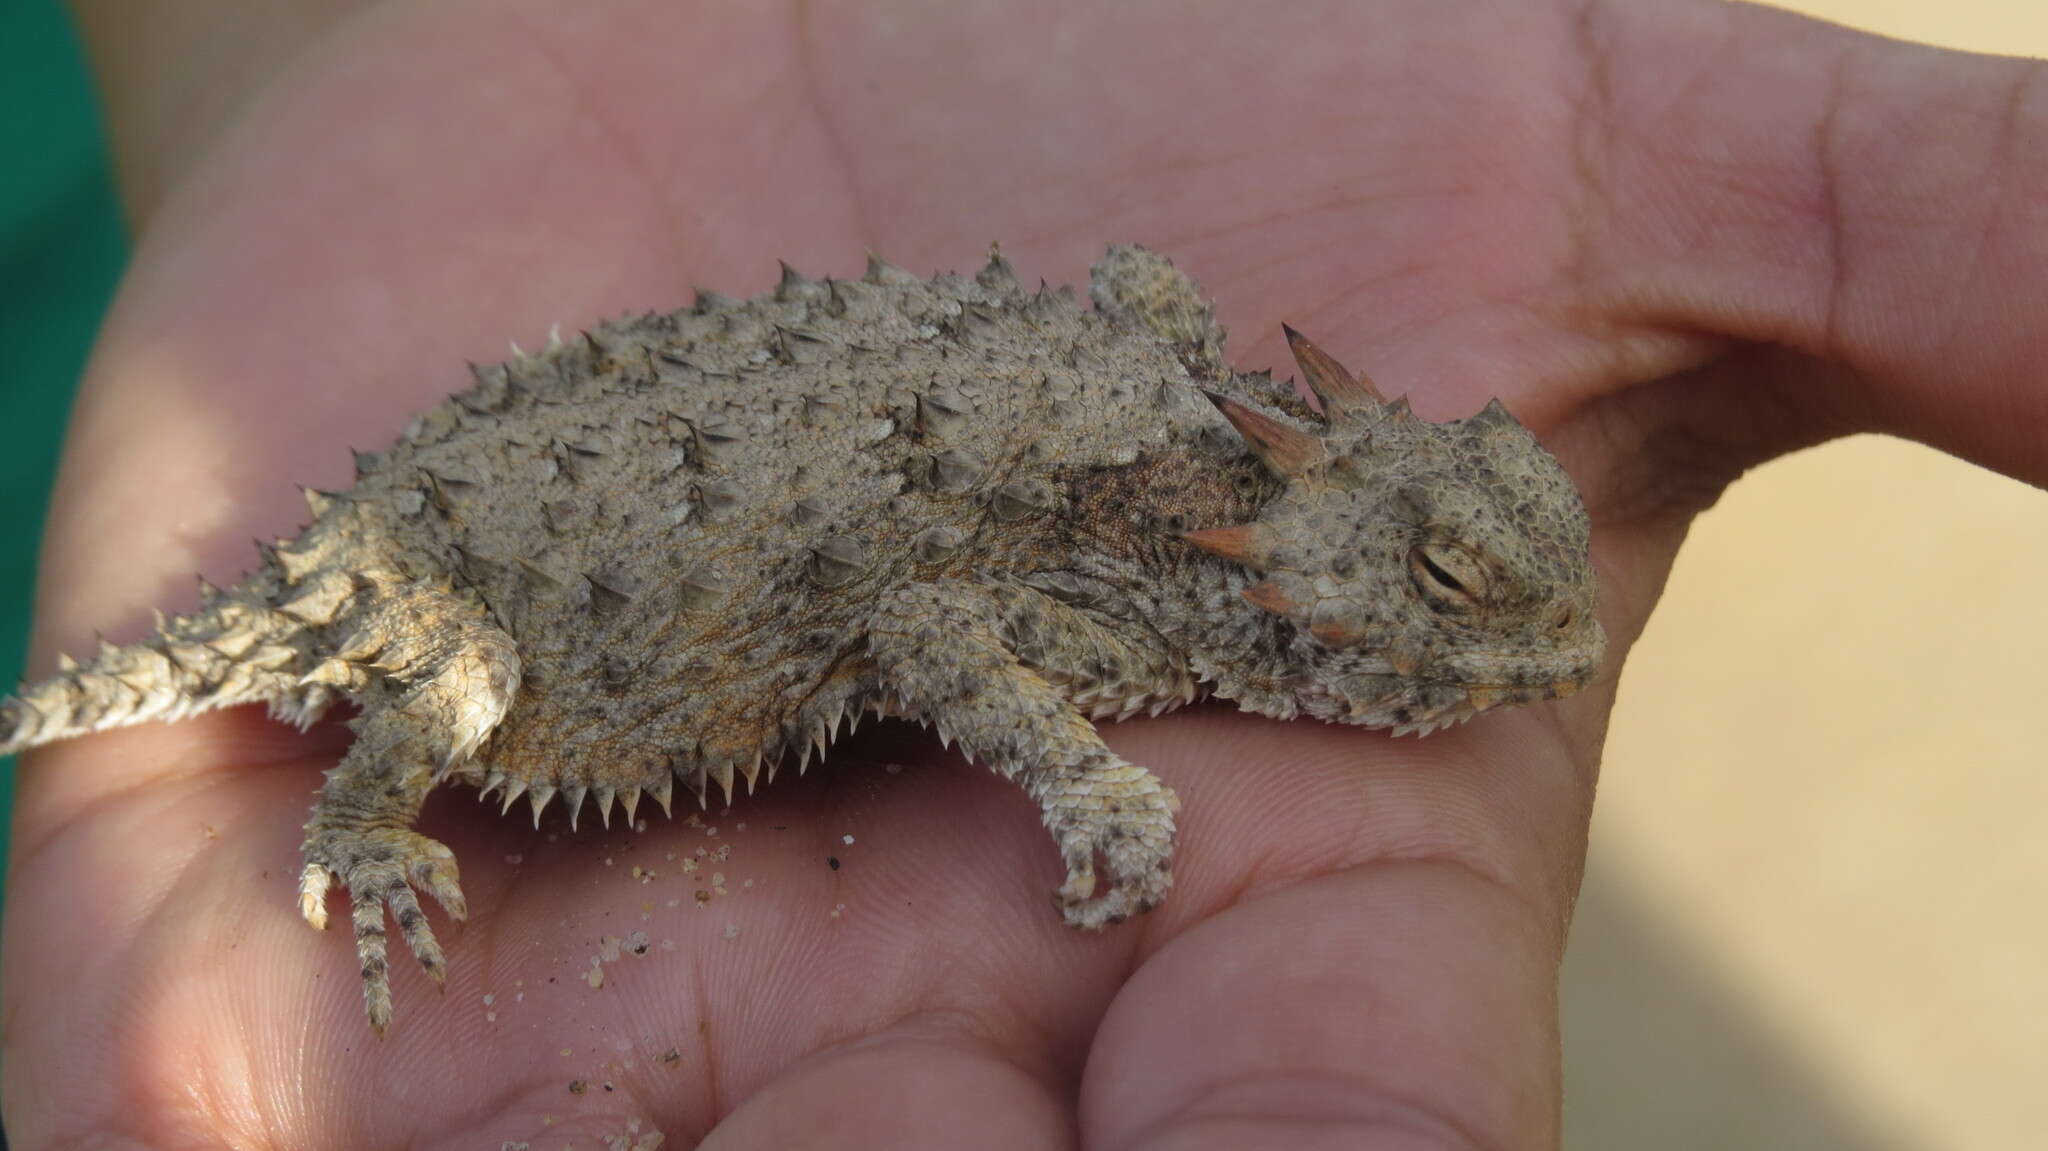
(1675, 238)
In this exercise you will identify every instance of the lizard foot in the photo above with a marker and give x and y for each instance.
(381, 866)
(1122, 816)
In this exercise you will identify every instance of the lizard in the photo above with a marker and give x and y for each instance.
(692, 547)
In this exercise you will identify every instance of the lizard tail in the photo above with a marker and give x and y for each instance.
(234, 649)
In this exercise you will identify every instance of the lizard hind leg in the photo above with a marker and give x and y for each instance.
(446, 677)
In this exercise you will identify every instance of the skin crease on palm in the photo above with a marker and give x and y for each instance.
(1675, 237)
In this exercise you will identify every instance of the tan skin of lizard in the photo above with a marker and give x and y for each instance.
(1430, 882)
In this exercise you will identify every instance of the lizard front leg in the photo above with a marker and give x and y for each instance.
(434, 678)
(1004, 670)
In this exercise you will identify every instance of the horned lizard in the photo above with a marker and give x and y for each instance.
(692, 546)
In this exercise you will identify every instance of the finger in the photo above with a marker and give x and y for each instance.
(1396, 1004)
(913, 1086)
(1856, 200)
(368, 918)
(314, 883)
(419, 936)
(436, 871)
(1377, 927)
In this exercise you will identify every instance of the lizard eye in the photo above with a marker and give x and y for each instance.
(1450, 578)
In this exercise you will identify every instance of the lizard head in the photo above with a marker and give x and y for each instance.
(1431, 571)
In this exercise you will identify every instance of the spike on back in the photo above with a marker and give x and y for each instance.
(1286, 451)
(319, 502)
(1494, 415)
(1341, 391)
(880, 271)
(997, 273)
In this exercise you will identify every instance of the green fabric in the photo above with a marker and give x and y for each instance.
(61, 247)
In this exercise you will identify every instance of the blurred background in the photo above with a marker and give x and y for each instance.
(1816, 909)
(1816, 912)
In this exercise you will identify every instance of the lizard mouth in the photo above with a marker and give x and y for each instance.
(1420, 707)
(1430, 703)
(1471, 701)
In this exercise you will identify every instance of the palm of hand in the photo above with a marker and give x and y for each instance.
(1355, 919)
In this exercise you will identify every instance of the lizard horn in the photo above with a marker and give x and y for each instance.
(1252, 545)
(1285, 450)
(1341, 391)
(1271, 597)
